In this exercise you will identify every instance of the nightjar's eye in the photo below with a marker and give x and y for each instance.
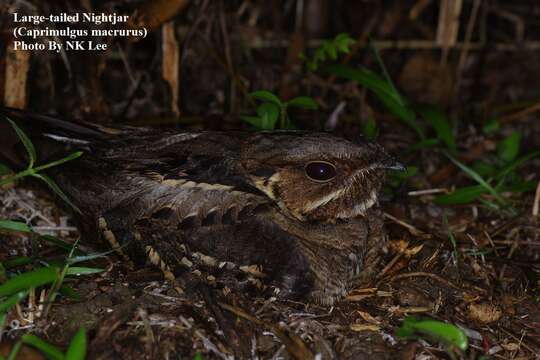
(320, 171)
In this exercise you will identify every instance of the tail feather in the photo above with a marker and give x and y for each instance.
(61, 134)
(44, 124)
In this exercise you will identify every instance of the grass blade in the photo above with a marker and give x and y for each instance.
(515, 164)
(18, 261)
(50, 351)
(463, 195)
(4, 170)
(30, 279)
(77, 346)
(508, 149)
(385, 93)
(57, 190)
(10, 225)
(26, 142)
(12, 300)
(474, 175)
(440, 123)
(70, 157)
(68, 291)
(83, 270)
(55, 241)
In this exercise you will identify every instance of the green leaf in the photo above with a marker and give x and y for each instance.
(15, 350)
(57, 242)
(384, 91)
(77, 346)
(508, 149)
(68, 291)
(330, 49)
(269, 114)
(253, 120)
(446, 333)
(343, 41)
(75, 270)
(57, 190)
(29, 279)
(515, 164)
(50, 351)
(12, 300)
(440, 123)
(266, 95)
(78, 259)
(26, 142)
(14, 226)
(305, 102)
(5, 170)
(18, 261)
(491, 127)
(484, 169)
(463, 195)
(525, 186)
(478, 179)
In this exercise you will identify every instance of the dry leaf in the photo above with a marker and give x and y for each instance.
(368, 317)
(484, 313)
(364, 327)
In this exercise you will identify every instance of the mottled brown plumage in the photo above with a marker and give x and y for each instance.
(300, 205)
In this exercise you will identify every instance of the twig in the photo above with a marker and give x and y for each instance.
(389, 265)
(448, 26)
(259, 43)
(209, 345)
(427, 192)
(294, 344)
(413, 230)
(228, 56)
(170, 69)
(467, 43)
(536, 204)
(425, 274)
(520, 114)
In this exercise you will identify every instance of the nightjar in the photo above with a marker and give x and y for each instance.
(301, 206)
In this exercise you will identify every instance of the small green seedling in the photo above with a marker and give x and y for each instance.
(329, 49)
(273, 109)
(450, 335)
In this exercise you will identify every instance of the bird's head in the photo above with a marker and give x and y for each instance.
(316, 176)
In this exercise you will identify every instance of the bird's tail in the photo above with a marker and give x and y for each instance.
(47, 133)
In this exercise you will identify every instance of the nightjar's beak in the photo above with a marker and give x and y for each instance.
(392, 164)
